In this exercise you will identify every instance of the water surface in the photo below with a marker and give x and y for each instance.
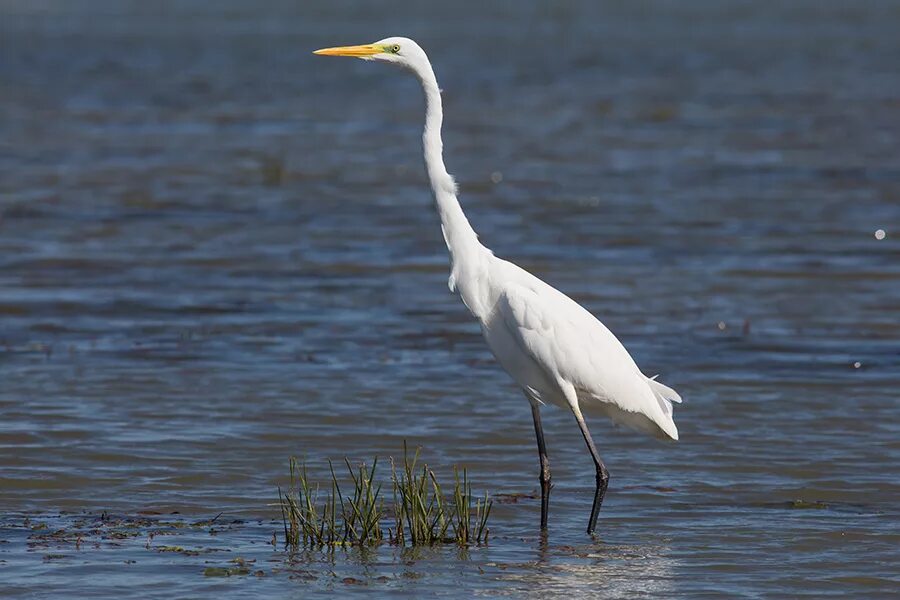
(217, 250)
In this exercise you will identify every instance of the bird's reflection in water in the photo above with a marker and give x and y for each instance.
(592, 570)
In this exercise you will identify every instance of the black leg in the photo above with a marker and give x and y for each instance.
(602, 472)
(545, 464)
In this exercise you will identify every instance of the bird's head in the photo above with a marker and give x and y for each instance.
(397, 50)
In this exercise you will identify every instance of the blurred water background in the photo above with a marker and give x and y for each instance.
(217, 250)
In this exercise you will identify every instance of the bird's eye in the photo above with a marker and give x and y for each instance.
(395, 48)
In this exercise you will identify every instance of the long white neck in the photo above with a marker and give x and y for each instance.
(462, 242)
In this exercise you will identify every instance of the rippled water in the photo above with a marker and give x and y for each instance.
(217, 250)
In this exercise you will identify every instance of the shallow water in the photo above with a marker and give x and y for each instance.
(217, 250)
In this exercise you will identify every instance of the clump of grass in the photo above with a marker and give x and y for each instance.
(421, 514)
(419, 509)
(303, 520)
(309, 523)
(469, 526)
(364, 510)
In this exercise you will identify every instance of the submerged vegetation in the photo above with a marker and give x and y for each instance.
(421, 514)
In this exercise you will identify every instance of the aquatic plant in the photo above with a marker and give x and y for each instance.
(469, 526)
(308, 523)
(420, 511)
(362, 519)
(421, 514)
(303, 520)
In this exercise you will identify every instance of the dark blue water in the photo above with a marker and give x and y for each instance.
(217, 251)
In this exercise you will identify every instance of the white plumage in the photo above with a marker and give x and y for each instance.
(557, 351)
(535, 328)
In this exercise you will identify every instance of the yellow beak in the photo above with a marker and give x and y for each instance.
(357, 51)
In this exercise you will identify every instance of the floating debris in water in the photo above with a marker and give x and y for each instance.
(803, 504)
(880, 234)
(225, 571)
(513, 498)
(272, 170)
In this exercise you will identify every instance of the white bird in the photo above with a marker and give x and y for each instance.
(557, 351)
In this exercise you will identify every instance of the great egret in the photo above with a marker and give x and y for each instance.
(553, 348)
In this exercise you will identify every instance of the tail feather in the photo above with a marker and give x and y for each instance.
(663, 390)
(665, 396)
